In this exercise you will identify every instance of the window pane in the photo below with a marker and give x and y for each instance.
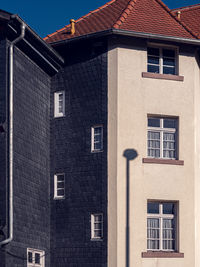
(37, 258)
(153, 60)
(153, 207)
(153, 244)
(30, 257)
(169, 145)
(153, 51)
(169, 62)
(97, 233)
(169, 136)
(168, 208)
(169, 154)
(168, 53)
(153, 122)
(97, 138)
(97, 226)
(170, 123)
(98, 218)
(153, 68)
(168, 244)
(60, 185)
(169, 70)
(60, 177)
(97, 130)
(60, 102)
(97, 146)
(153, 233)
(154, 135)
(61, 192)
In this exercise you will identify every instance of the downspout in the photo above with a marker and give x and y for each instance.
(11, 48)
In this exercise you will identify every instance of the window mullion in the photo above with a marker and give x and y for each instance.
(161, 60)
(161, 226)
(161, 138)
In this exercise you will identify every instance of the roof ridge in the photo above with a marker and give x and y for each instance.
(81, 18)
(178, 20)
(124, 14)
(195, 6)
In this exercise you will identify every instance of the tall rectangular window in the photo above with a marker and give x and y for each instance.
(97, 138)
(97, 226)
(35, 258)
(59, 186)
(162, 137)
(59, 104)
(162, 60)
(161, 226)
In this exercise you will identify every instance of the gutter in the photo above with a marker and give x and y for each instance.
(46, 45)
(11, 48)
(131, 34)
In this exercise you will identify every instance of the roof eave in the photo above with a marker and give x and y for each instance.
(59, 59)
(128, 33)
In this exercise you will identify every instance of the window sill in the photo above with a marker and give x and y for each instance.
(162, 254)
(163, 161)
(163, 76)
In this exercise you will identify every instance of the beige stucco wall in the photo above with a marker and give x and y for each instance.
(130, 99)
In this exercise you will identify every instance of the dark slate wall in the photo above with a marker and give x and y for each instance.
(84, 80)
(31, 161)
(3, 187)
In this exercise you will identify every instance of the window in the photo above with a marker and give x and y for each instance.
(161, 226)
(59, 186)
(161, 60)
(162, 137)
(59, 104)
(97, 138)
(35, 258)
(96, 226)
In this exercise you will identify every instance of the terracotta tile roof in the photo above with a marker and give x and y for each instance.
(148, 16)
(190, 15)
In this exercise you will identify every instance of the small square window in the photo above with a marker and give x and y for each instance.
(59, 186)
(161, 226)
(96, 226)
(97, 138)
(162, 60)
(59, 104)
(35, 258)
(162, 137)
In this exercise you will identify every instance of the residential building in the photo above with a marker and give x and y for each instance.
(106, 137)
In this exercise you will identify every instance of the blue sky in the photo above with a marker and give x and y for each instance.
(47, 16)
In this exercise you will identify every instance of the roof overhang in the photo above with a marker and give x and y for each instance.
(130, 34)
(32, 45)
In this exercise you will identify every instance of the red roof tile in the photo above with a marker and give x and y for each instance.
(148, 16)
(190, 15)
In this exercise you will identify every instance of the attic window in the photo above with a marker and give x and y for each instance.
(162, 60)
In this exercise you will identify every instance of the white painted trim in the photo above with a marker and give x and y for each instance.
(56, 186)
(42, 257)
(162, 216)
(58, 113)
(93, 149)
(93, 237)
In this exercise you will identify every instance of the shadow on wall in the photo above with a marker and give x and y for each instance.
(129, 154)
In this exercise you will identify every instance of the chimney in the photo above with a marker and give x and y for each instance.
(72, 22)
(179, 14)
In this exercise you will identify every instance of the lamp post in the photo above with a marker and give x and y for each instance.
(129, 154)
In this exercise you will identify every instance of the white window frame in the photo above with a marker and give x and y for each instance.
(57, 112)
(161, 48)
(42, 257)
(162, 216)
(163, 130)
(56, 189)
(93, 237)
(93, 149)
